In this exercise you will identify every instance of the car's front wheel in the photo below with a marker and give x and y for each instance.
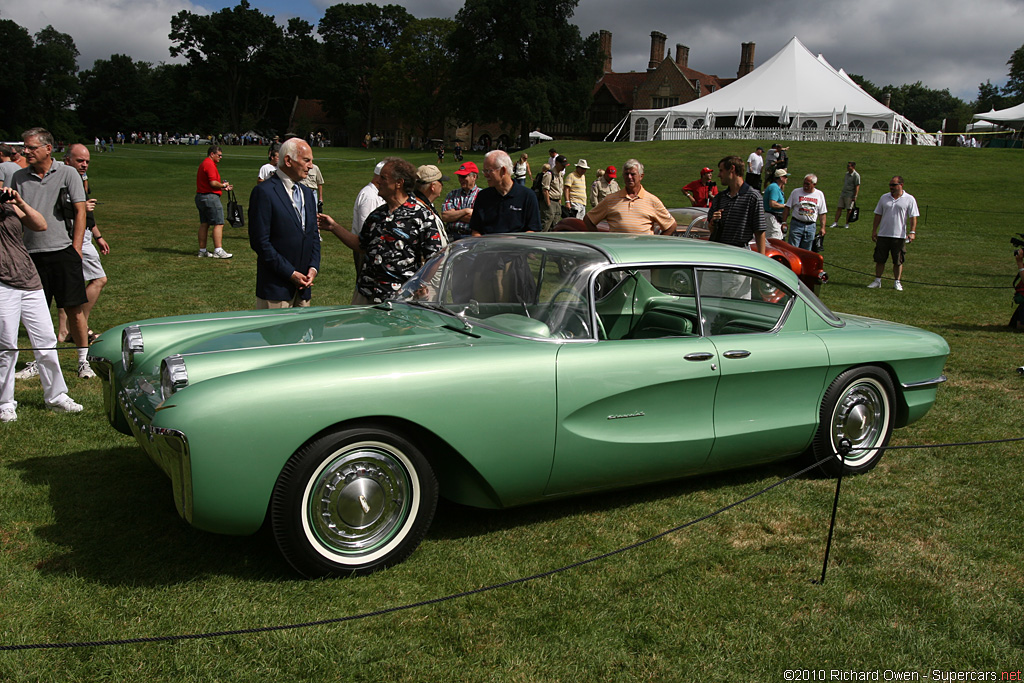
(353, 501)
(857, 408)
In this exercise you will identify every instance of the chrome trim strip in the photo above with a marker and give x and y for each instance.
(925, 384)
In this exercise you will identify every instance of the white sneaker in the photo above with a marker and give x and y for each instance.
(85, 370)
(834, 225)
(846, 227)
(876, 283)
(65, 404)
(8, 415)
(897, 286)
(30, 370)
(204, 254)
(220, 253)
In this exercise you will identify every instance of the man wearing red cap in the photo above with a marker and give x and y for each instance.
(701, 191)
(458, 205)
(604, 185)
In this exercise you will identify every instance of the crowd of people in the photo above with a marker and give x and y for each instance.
(395, 226)
(54, 255)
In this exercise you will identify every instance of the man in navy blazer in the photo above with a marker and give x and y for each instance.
(283, 231)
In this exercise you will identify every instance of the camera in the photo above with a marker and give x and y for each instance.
(1017, 243)
(6, 195)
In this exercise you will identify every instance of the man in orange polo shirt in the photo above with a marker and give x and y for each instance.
(632, 209)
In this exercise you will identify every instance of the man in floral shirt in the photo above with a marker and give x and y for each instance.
(397, 238)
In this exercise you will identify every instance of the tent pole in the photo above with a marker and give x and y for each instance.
(614, 132)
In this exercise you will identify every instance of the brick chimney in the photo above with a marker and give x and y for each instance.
(606, 50)
(682, 56)
(657, 49)
(746, 59)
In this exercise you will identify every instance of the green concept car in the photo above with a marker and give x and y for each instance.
(510, 370)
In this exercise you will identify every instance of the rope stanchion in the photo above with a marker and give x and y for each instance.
(504, 584)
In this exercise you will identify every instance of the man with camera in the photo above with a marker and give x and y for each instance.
(57, 192)
(1017, 319)
(895, 226)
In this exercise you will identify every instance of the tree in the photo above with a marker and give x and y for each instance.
(16, 111)
(235, 54)
(1014, 89)
(357, 40)
(522, 62)
(988, 98)
(116, 95)
(924, 106)
(54, 81)
(416, 77)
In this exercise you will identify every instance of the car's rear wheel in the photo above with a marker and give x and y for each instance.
(352, 502)
(857, 408)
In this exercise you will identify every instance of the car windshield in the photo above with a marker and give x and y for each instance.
(529, 287)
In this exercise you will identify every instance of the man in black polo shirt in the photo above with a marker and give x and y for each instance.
(736, 215)
(503, 206)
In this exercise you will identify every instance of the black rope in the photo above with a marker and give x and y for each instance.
(475, 591)
(915, 282)
(409, 606)
(941, 445)
(45, 348)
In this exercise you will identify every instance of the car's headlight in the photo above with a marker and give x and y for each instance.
(131, 343)
(173, 375)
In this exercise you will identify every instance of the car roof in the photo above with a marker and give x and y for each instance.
(626, 248)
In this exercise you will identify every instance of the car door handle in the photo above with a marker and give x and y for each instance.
(702, 355)
(736, 354)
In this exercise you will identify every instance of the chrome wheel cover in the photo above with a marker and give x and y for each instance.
(360, 502)
(862, 417)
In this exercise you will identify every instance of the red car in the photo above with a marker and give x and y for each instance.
(691, 222)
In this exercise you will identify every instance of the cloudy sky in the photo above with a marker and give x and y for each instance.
(943, 43)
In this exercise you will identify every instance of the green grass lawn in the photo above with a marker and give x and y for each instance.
(927, 569)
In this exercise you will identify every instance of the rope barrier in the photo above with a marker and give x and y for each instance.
(915, 282)
(44, 348)
(488, 588)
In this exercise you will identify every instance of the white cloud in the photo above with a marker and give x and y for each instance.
(101, 28)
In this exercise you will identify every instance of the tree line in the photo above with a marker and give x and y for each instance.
(368, 64)
(520, 62)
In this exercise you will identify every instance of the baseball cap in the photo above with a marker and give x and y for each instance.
(429, 173)
(467, 168)
(705, 170)
(781, 173)
(377, 168)
(610, 172)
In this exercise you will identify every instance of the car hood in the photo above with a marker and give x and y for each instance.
(226, 343)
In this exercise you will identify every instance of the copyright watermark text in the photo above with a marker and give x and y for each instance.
(895, 675)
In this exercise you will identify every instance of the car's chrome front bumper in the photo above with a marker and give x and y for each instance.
(168, 448)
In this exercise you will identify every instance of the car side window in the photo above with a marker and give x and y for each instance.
(647, 303)
(740, 303)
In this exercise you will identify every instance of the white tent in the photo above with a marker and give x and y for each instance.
(793, 85)
(983, 126)
(1013, 117)
(537, 136)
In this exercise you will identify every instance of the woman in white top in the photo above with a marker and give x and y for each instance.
(522, 169)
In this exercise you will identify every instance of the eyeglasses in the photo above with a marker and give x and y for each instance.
(30, 148)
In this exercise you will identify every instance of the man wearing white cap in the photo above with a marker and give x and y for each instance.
(576, 189)
(367, 200)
